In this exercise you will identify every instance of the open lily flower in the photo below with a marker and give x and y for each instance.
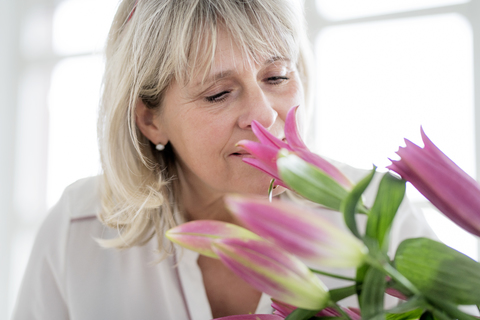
(273, 271)
(251, 317)
(266, 151)
(299, 231)
(442, 182)
(198, 235)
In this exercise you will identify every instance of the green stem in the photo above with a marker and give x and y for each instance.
(363, 210)
(393, 273)
(342, 293)
(331, 275)
(270, 190)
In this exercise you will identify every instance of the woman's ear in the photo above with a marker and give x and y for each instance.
(148, 122)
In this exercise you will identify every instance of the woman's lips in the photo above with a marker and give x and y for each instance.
(241, 155)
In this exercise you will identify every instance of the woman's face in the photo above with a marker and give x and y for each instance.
(204, 121)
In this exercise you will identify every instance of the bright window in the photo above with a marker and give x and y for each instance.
(81, 26)
(379, 81)
(73, 104)
(349, 9)
(59, 92)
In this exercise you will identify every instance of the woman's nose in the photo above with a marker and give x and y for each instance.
(257, 107)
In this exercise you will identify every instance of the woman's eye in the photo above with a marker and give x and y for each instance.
(218, 97)
(276, 80)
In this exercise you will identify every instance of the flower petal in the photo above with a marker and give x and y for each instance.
(299, 231)
(266, 138)
(273, 271)
(261, 166)
(442, 182)
(198, 235)
(265, 158)
(264, 153)
(291, 130)
(325, 166)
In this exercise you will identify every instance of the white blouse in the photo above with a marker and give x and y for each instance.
(69, 276)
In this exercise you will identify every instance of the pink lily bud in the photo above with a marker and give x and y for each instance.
(251, 317)
(298, 230)
(266, 151)
(442, 182)
(273, 271)
(198, 235)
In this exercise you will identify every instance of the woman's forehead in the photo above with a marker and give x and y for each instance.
(224, 56)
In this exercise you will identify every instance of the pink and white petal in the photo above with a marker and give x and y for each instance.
(265, 168)
(272, 271)
(198, 235)
(441, 181)
(298, 230)
(325, 166)
(266, 138)
(265, 153)
(291, 130)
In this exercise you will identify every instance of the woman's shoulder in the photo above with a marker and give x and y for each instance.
(45, 272)
(81, 199)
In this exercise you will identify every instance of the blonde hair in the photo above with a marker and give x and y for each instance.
(165, 40)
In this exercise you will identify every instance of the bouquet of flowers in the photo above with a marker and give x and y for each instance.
(283, 237)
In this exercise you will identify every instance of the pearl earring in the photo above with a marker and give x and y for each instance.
(159, 147)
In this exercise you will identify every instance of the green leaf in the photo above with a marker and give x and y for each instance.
(361, 272)
(373, 291)
(389, 197)
(409, 315)
(310, 182)
(349, 205)
(443, 309)
(342, 293)
(411, 304)
(301, 314)
(409, 310)
(438, 271)
(360, 277)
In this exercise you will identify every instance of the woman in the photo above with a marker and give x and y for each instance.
(183, 82)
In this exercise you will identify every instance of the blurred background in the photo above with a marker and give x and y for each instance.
(383, 69)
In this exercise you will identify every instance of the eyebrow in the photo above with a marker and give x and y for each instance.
(224, 74)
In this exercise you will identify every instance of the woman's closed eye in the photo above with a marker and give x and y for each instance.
(219, 97)
(277, 80)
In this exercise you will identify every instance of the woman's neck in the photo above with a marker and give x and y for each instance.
(201, 202)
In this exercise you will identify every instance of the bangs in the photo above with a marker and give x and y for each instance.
(259, 30)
